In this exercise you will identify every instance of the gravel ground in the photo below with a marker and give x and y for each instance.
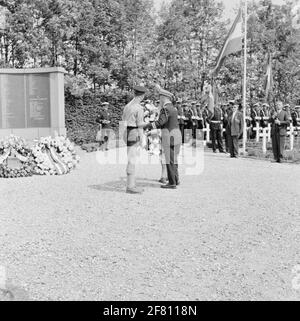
(230, 233)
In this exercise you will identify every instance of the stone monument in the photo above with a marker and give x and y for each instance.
(32, 103)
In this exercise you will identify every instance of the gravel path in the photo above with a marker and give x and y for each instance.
(231, 233)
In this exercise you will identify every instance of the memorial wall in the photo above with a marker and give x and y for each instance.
(32, 102)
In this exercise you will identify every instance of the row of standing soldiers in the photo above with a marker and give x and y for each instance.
(194, 116)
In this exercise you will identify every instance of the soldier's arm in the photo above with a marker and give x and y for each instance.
(162, 120)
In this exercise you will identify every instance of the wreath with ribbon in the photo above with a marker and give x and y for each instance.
(48, 156)
(54, 156)
(14, 149)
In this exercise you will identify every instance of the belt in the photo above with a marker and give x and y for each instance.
(216, 121)
(131, 142)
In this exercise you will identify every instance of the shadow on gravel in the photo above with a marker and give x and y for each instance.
(120, 185)
(13, 293)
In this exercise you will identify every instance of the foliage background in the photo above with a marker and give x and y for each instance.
(107, 46)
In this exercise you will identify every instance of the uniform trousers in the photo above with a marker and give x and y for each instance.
(132, 149)
(171, 159)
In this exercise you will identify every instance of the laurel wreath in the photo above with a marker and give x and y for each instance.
(15, 147)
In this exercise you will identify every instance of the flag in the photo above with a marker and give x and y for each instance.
(268, 84)
(296, 15)
(211, 101)
(213, 98)
(233, 42)
(3, 22)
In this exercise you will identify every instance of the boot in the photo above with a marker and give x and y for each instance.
(131, 188)
(134, 190)
(163, 180)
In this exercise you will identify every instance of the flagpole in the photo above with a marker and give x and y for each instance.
(245, 81)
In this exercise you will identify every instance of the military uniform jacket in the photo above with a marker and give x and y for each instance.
(188, 118)
(168, 123)
(133, 118)
(180, 115)
(295, 118)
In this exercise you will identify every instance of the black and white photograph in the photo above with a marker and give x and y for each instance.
(149, 153)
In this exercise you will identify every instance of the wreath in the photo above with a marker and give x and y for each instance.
(54, 156)
(15, 158)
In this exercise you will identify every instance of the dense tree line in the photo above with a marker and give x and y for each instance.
(115, 43)
(106, 46)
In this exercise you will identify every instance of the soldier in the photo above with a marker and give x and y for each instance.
(171, 137)
(225, 122)
(216, 129)
(194, 121)
(199, 116)
(187, 121)
(103, 118)
(180, 118)
(279, 121)
(248, 122)
(295, 117)
(133, 118)
(200, 125)
(264, 115)
(287, 108)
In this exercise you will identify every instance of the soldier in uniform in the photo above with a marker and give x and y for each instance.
(194, 121)
(199, 119)
(104, 119)
(248, 122)
(187, 121)
(216, 129)
(133, 118)
(225, 123)
(264, 115)
(180, 118)
(295, 117)
(200, 116)
(171, 137)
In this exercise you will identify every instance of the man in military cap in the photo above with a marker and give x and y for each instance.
(171, 137)
(104, 119)
(133, 118)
